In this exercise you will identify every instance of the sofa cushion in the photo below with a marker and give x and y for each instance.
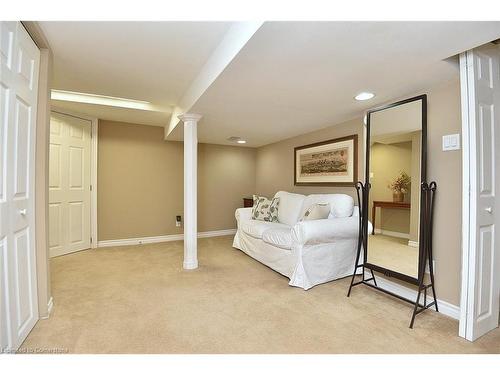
(256, 228)
(279, 237)
(317, 211)
(265, 209)
(341, 205)
(290, 207)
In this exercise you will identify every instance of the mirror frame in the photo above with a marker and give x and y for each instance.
(423, 178)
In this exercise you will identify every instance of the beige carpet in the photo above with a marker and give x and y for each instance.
(138, 299)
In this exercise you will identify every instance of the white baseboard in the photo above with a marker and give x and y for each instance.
(391, 233)
(50, 306)
(217, 233)
(445, 308)
(166, 238)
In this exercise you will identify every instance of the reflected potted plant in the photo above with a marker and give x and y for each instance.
(400, 186)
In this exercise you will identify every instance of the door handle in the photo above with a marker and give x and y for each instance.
(488, 209)
(23, 211)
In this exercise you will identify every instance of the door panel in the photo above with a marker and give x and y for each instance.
(55, 226)
(76, 168)
(7, 30)
(55, 167)
(486, 149)
(482, 278)
(19, 64)
(76, 224)
(4, 94)
(69, 184)
(485, 274)
(4, 324)
(21, 148)
(23, 284)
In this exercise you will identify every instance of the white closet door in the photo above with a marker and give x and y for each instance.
(69, 184)
(483, 276)
(19, 64)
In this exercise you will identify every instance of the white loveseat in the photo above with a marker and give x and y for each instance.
(307, 252)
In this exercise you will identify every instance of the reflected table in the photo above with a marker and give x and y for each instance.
(386, 204)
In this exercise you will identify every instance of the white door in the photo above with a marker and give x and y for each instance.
(19, 68)
(481, 277)
(69, 184)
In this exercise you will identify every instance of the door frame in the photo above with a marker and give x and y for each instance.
(468, 203)
(93, 168)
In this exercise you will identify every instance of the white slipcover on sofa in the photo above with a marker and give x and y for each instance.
(307, 252)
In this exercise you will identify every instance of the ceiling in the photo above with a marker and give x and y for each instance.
(295, 77)
(150, 61)
(290, 78)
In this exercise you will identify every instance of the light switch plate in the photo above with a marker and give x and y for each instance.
(451, 142)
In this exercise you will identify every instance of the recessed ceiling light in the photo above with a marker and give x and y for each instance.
(364, 96)
(81, 97)
(236, 140)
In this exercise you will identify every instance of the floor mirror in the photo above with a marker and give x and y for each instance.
(396, 203)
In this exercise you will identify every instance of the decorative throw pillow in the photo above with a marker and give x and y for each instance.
(317, 211)
(265, 209)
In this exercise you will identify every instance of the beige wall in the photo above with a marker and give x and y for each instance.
(275, 161)
(140, 182)
(226, 174)
(275, 172)
(446, 169)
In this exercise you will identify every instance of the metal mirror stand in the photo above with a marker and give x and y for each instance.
(365, 268)
(425, 254)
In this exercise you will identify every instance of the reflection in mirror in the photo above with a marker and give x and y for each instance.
(395, 166)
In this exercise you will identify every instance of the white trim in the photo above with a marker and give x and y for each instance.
(445, 308)
(468, 204)
(93, 181)
(93, 168)
(413, 243)
(391, 233)
(231, 44)
(217, 233)
(50, 306)
(166, 238)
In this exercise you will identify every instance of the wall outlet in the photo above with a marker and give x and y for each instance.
(451, 142)
(178, 220)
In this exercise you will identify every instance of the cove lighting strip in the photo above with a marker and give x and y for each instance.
(80, 97)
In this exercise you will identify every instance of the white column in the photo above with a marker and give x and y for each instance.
(190, 121)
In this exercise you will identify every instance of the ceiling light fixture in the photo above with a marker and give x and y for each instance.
(81, 97)
(364, 96)
(236, 140)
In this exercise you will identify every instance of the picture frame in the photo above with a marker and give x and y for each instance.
(329, 163)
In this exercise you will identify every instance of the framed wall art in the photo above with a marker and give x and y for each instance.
(329, 163)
